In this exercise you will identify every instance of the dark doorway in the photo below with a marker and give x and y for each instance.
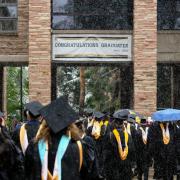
(177, 86)
(168, 85)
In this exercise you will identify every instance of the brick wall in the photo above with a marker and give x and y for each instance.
(145, 55)
(40, 50)
(17, 44)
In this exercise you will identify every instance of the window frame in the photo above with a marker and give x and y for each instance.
(10, 18)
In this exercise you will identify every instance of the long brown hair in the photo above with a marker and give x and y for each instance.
(44, 132)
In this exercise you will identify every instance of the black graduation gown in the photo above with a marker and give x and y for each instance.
(177, 146)
(91, 162)
(134, 137)
(99, 145)
(70, 161)
(114, 167)
(11, 159)
(142, 156)
(164, 155)
(31, 127)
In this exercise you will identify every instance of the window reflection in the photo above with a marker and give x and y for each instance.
(94, 14)
(168, 14)
(8, 11)
(63, 22)
(8, 15)
(63, 6)
(8, 1)
(91, 22)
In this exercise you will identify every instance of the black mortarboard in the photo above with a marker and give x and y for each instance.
(132, 118)
(121, 115)
(98, 115)
(34, 107)
(1, 114)
(59, 114)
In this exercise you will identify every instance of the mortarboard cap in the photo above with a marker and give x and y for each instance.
(34, 107)
(59, 114)
(131, 118)
(98, 115)
(121, 115)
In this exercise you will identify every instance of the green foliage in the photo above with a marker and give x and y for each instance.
(14, 91)
(100, 86)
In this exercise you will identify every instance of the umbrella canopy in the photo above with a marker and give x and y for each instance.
(166, 115)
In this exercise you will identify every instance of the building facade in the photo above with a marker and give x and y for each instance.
(149, 77)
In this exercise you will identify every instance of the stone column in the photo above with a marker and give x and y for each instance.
(145, 55)
(40, 50)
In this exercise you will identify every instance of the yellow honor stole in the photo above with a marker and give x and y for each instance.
(165, 133)
(96, 131)
(123, 153)
(23, 138)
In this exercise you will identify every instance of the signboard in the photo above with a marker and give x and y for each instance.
(91, 48)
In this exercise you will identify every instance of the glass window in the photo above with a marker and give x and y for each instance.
(168, 14)
(8, 15)
(92, 14)
(168, 86)
(163, 86)
(105, 87)
(8, 11)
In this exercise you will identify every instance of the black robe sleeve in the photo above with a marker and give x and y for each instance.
(90, 164)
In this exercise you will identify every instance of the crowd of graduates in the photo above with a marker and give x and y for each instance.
(54, 143)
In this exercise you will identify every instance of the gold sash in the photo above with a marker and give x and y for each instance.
(165, 133)
(123, 153)
(23, 138)
(96, 131)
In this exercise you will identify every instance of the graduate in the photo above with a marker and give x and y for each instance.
(99, 133)
(161, 148)
(88, 141)
(142, 157)
(28, 130)
(118, 150)
(58, 153)
(11, 159)
(177, 148)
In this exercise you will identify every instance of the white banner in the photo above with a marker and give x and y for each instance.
(91, 47)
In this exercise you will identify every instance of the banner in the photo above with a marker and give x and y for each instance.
(91, 48)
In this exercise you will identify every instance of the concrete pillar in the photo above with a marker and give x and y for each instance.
(145, 55)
